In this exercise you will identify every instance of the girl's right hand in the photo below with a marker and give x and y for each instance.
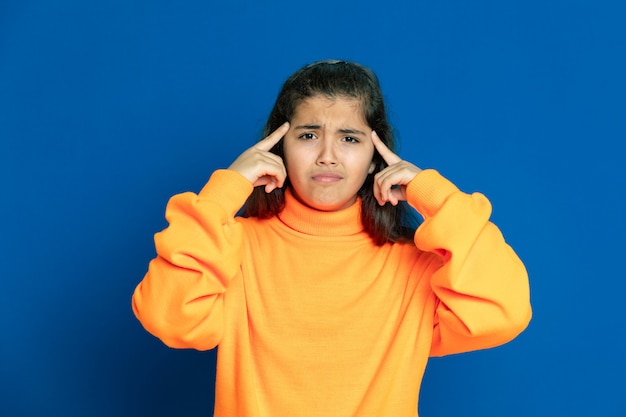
(260, 166)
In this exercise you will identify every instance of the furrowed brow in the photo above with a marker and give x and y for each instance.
(351, 132)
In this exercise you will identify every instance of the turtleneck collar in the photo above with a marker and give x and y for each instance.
(307, 220)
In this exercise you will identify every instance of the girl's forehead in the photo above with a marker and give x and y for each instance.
(331, 99)
(321, 103)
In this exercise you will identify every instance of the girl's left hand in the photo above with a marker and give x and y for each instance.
(390, 183)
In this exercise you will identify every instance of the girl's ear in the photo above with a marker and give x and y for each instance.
(372, 167)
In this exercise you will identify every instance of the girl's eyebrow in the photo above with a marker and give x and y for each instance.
(347, 131)
(308, 127)
(351, 132)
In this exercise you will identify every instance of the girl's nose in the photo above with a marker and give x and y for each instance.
(327, 154)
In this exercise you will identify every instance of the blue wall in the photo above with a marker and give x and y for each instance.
(109, 108)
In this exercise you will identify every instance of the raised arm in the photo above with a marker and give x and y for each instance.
(481, 285)
(180, 299)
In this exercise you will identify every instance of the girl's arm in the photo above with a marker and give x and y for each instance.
(483, 296)
(180, 299)
(481, 286)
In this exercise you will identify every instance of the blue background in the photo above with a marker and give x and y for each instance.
(107, 108)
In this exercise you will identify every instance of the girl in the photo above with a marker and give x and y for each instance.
(323, 297)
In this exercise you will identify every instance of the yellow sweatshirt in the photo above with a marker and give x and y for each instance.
(313, 319)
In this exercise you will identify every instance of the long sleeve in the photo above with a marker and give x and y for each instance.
(180, 299)
(481, 286)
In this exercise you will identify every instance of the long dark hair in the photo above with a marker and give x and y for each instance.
(333, 79)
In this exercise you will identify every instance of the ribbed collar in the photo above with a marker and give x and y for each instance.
(307, 220)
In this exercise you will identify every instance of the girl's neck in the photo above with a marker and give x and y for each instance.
(304, 219)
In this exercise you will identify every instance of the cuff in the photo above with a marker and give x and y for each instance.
(228, 188)
(428, 191)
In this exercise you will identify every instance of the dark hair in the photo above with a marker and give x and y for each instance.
(333, 79)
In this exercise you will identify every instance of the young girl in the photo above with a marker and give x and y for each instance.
(323, 297)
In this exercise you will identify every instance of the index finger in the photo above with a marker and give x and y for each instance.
(273, 138)
(389, 157)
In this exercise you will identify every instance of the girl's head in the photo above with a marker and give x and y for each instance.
(337, 80)
(332, 79)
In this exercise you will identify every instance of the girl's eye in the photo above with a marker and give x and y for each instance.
(350, 139)
(307, 136)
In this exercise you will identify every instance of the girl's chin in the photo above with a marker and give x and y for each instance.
(325, 204)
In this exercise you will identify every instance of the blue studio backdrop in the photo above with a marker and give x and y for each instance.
(107, 108)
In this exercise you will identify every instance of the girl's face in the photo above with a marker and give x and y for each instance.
(328, 152)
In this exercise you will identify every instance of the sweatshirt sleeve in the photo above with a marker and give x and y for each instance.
(482, 289)
(180, 299)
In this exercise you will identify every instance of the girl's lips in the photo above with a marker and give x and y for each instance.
(326, 177)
